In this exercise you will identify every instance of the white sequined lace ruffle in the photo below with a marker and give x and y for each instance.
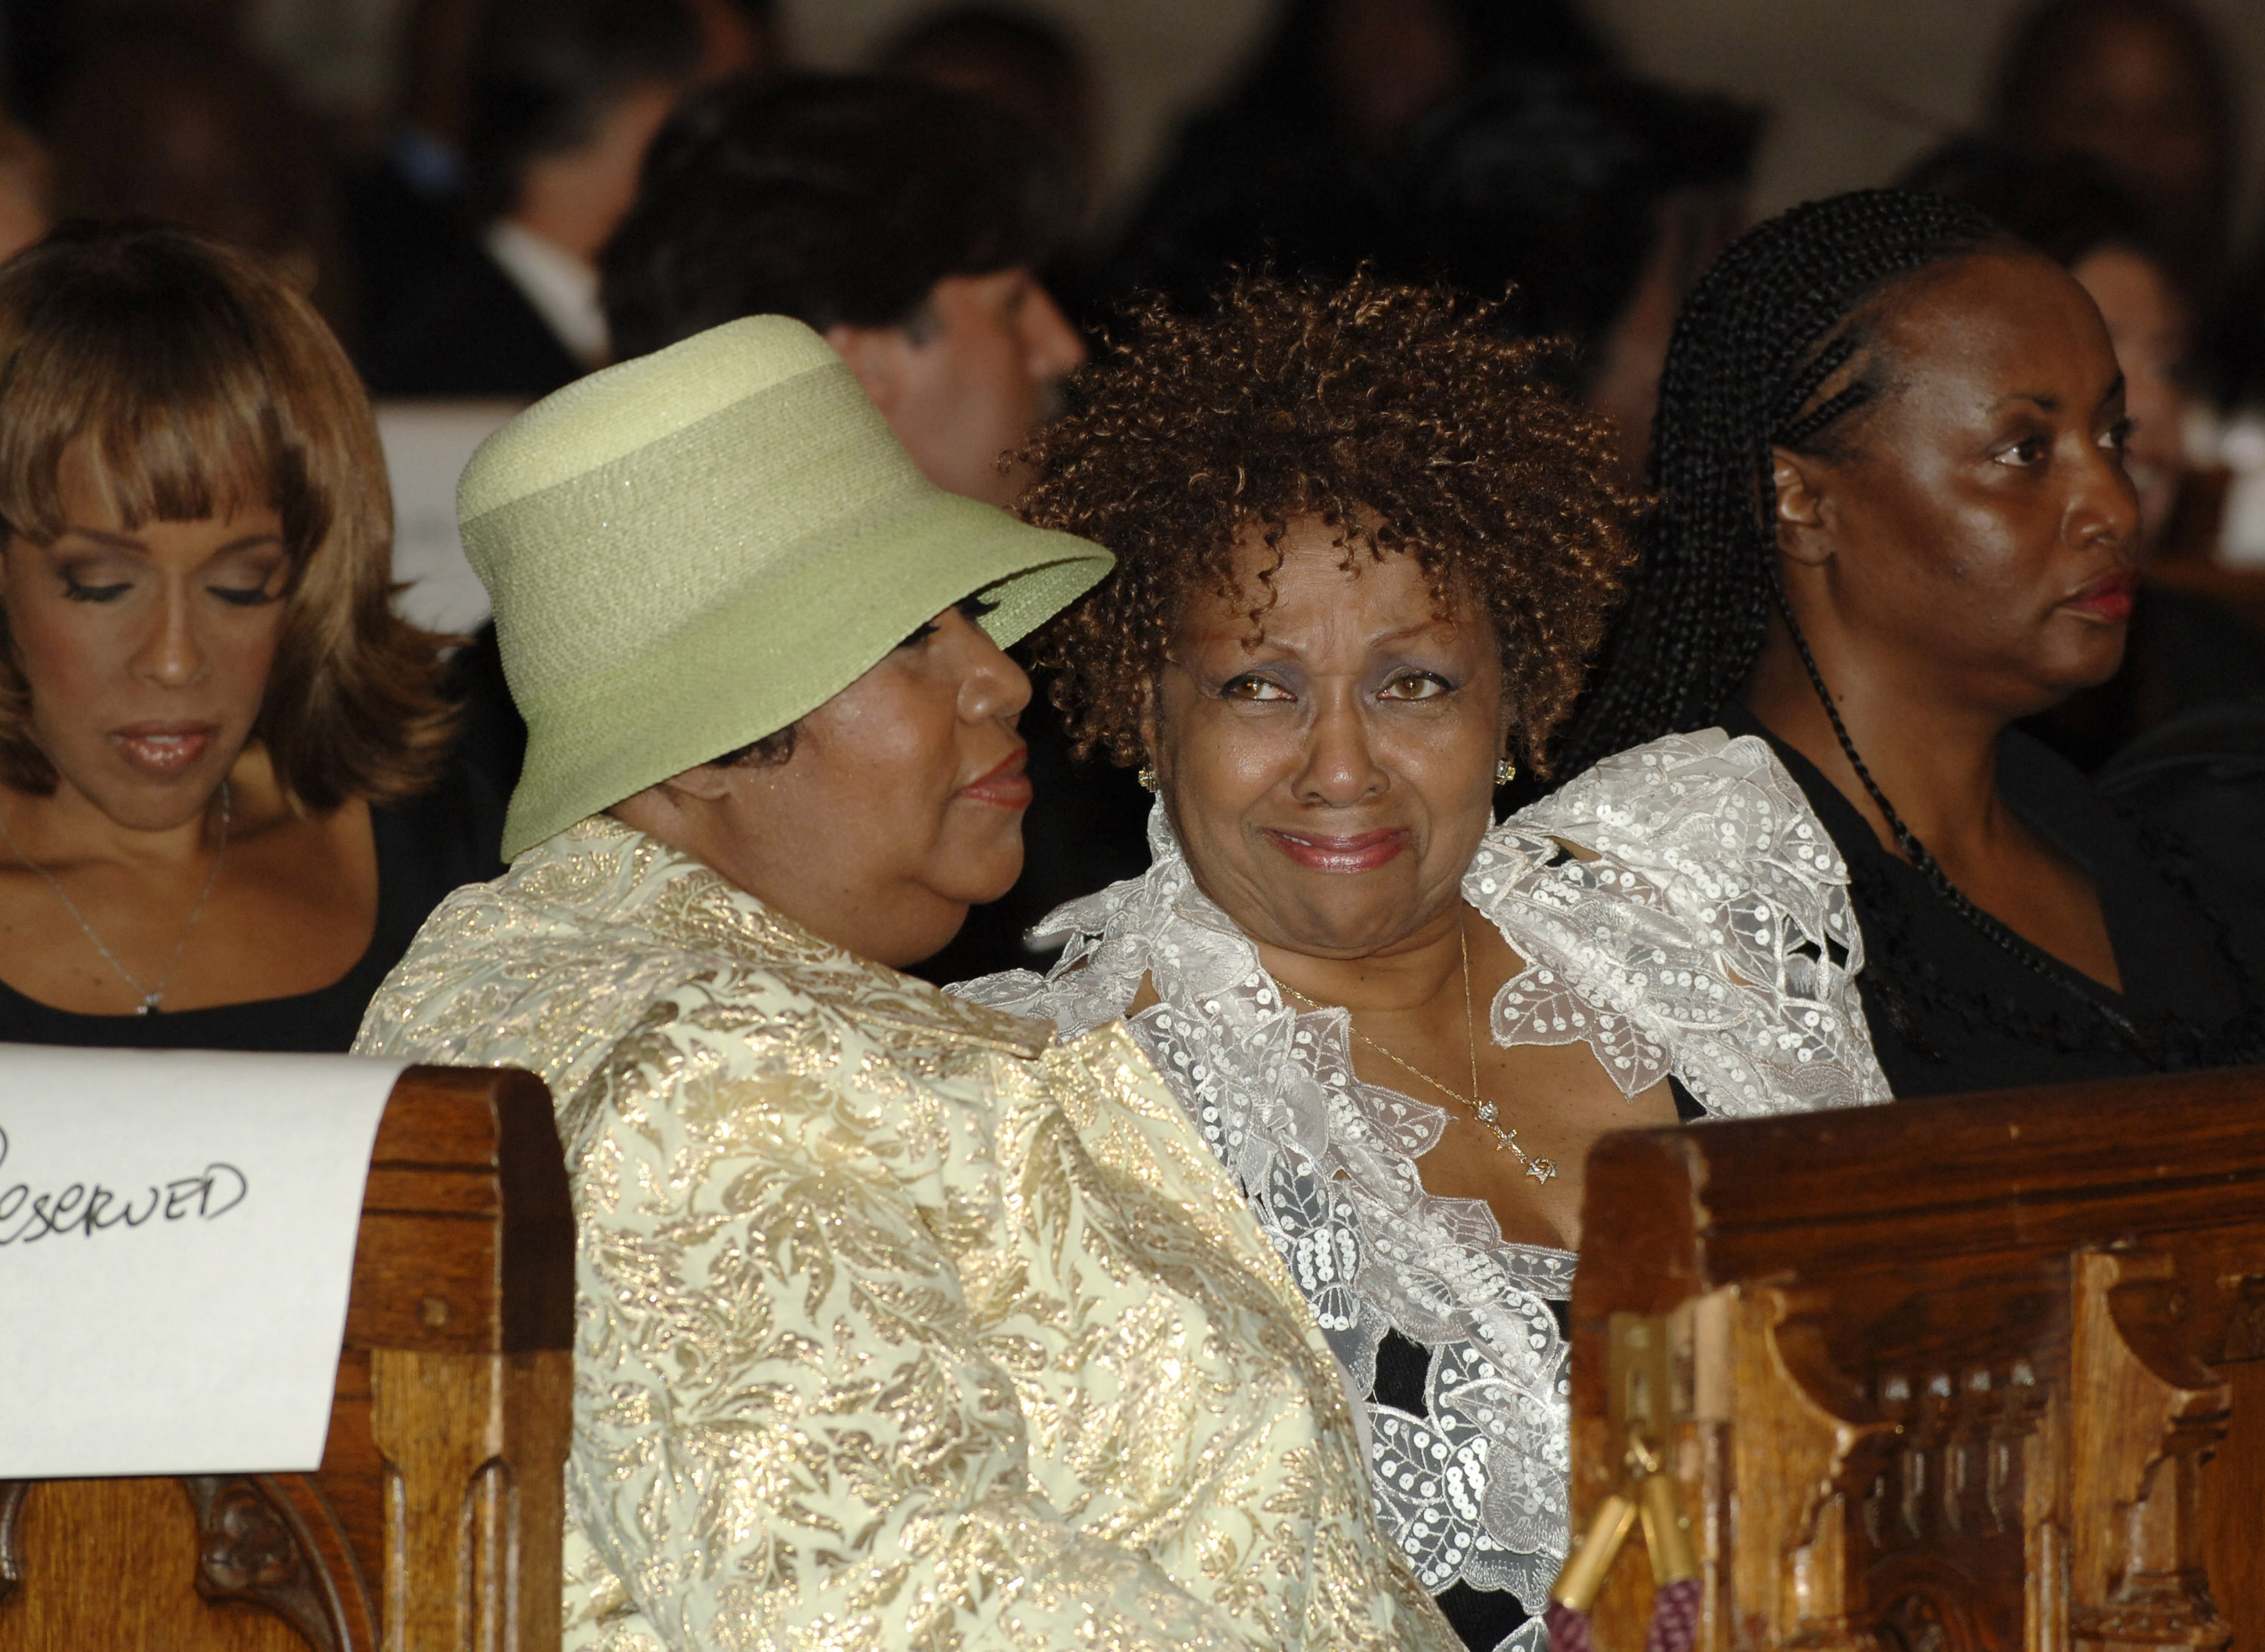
(1703, 929)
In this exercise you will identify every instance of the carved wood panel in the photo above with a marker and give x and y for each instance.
(468, 1503)
(1908, 1508)
(2153, 1411)
(1980, 1375)
(102, 1563)
(253, 1545)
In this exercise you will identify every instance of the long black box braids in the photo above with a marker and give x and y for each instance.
(1775, 320)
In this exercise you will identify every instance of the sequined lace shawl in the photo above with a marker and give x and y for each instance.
(900, 1324)
(1704, 931)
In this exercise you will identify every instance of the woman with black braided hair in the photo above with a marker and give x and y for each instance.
(1894, 519)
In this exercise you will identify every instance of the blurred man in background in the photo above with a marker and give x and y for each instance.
(566, 98)
(905, 223)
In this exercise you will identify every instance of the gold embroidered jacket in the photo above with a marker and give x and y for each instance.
(900, 1323)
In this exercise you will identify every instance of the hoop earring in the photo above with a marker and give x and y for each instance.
(1147, 777)
(1505, 771)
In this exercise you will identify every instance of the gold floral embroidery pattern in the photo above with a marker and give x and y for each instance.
(898, 1325)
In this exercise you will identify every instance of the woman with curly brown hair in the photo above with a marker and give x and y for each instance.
(1364, 553)
(225, 792)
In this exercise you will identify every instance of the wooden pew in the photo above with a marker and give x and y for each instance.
(1980, 1373)
(434, 1520)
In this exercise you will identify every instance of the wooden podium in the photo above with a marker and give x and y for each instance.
(434, 1520)
(1984, 1371)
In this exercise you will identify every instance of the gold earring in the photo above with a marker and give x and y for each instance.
(1504, 772)
(1147, 777)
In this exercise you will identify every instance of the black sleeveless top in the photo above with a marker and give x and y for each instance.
(426, 845)
(1951, 1011)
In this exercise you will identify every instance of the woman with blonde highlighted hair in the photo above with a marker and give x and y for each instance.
(223, 813)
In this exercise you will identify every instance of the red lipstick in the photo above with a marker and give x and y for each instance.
(1006, 785)
(163, 749)
(2108, 597)
(1364, 852)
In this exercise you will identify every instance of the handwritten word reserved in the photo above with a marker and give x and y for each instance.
(90, 1208)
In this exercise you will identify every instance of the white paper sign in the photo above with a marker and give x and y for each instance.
(428, 444)
(177, 1240)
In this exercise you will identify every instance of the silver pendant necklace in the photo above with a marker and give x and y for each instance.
(152, 997)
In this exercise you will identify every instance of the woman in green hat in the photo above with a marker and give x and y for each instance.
(901, 1321)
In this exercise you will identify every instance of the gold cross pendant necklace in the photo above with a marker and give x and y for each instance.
(1483, 1109)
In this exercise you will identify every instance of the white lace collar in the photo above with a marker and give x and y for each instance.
(1700, 941)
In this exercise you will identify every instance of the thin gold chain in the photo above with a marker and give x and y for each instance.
(1483, 1109)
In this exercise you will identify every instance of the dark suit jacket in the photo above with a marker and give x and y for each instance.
(463, 328)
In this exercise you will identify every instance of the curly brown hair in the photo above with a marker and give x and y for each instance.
(1397, 415)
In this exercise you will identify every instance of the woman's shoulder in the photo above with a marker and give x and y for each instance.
(1023, 992)
(1111, 938)
(1681, 902)
(1686, 820)
(1664, 786)
(512, 970)
(1697, 813)
(601, 929)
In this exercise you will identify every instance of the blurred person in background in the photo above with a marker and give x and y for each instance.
(169, 122)
(1595, 197)
(906, 224)
(565, 97)
(407, 207)
(226, 795)
(1267, 176)
(27, 190)
(1016, 60)
(2140, 86)
(2181, 649)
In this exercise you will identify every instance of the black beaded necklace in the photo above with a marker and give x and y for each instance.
(2033, 959)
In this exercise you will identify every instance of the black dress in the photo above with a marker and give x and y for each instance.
(1950, 1011)
(2200, 779)
(426, 846)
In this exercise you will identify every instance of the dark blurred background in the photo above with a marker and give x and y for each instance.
(1854, 92)
(445, 177)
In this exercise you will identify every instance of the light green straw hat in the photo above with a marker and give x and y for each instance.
(690, 551)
